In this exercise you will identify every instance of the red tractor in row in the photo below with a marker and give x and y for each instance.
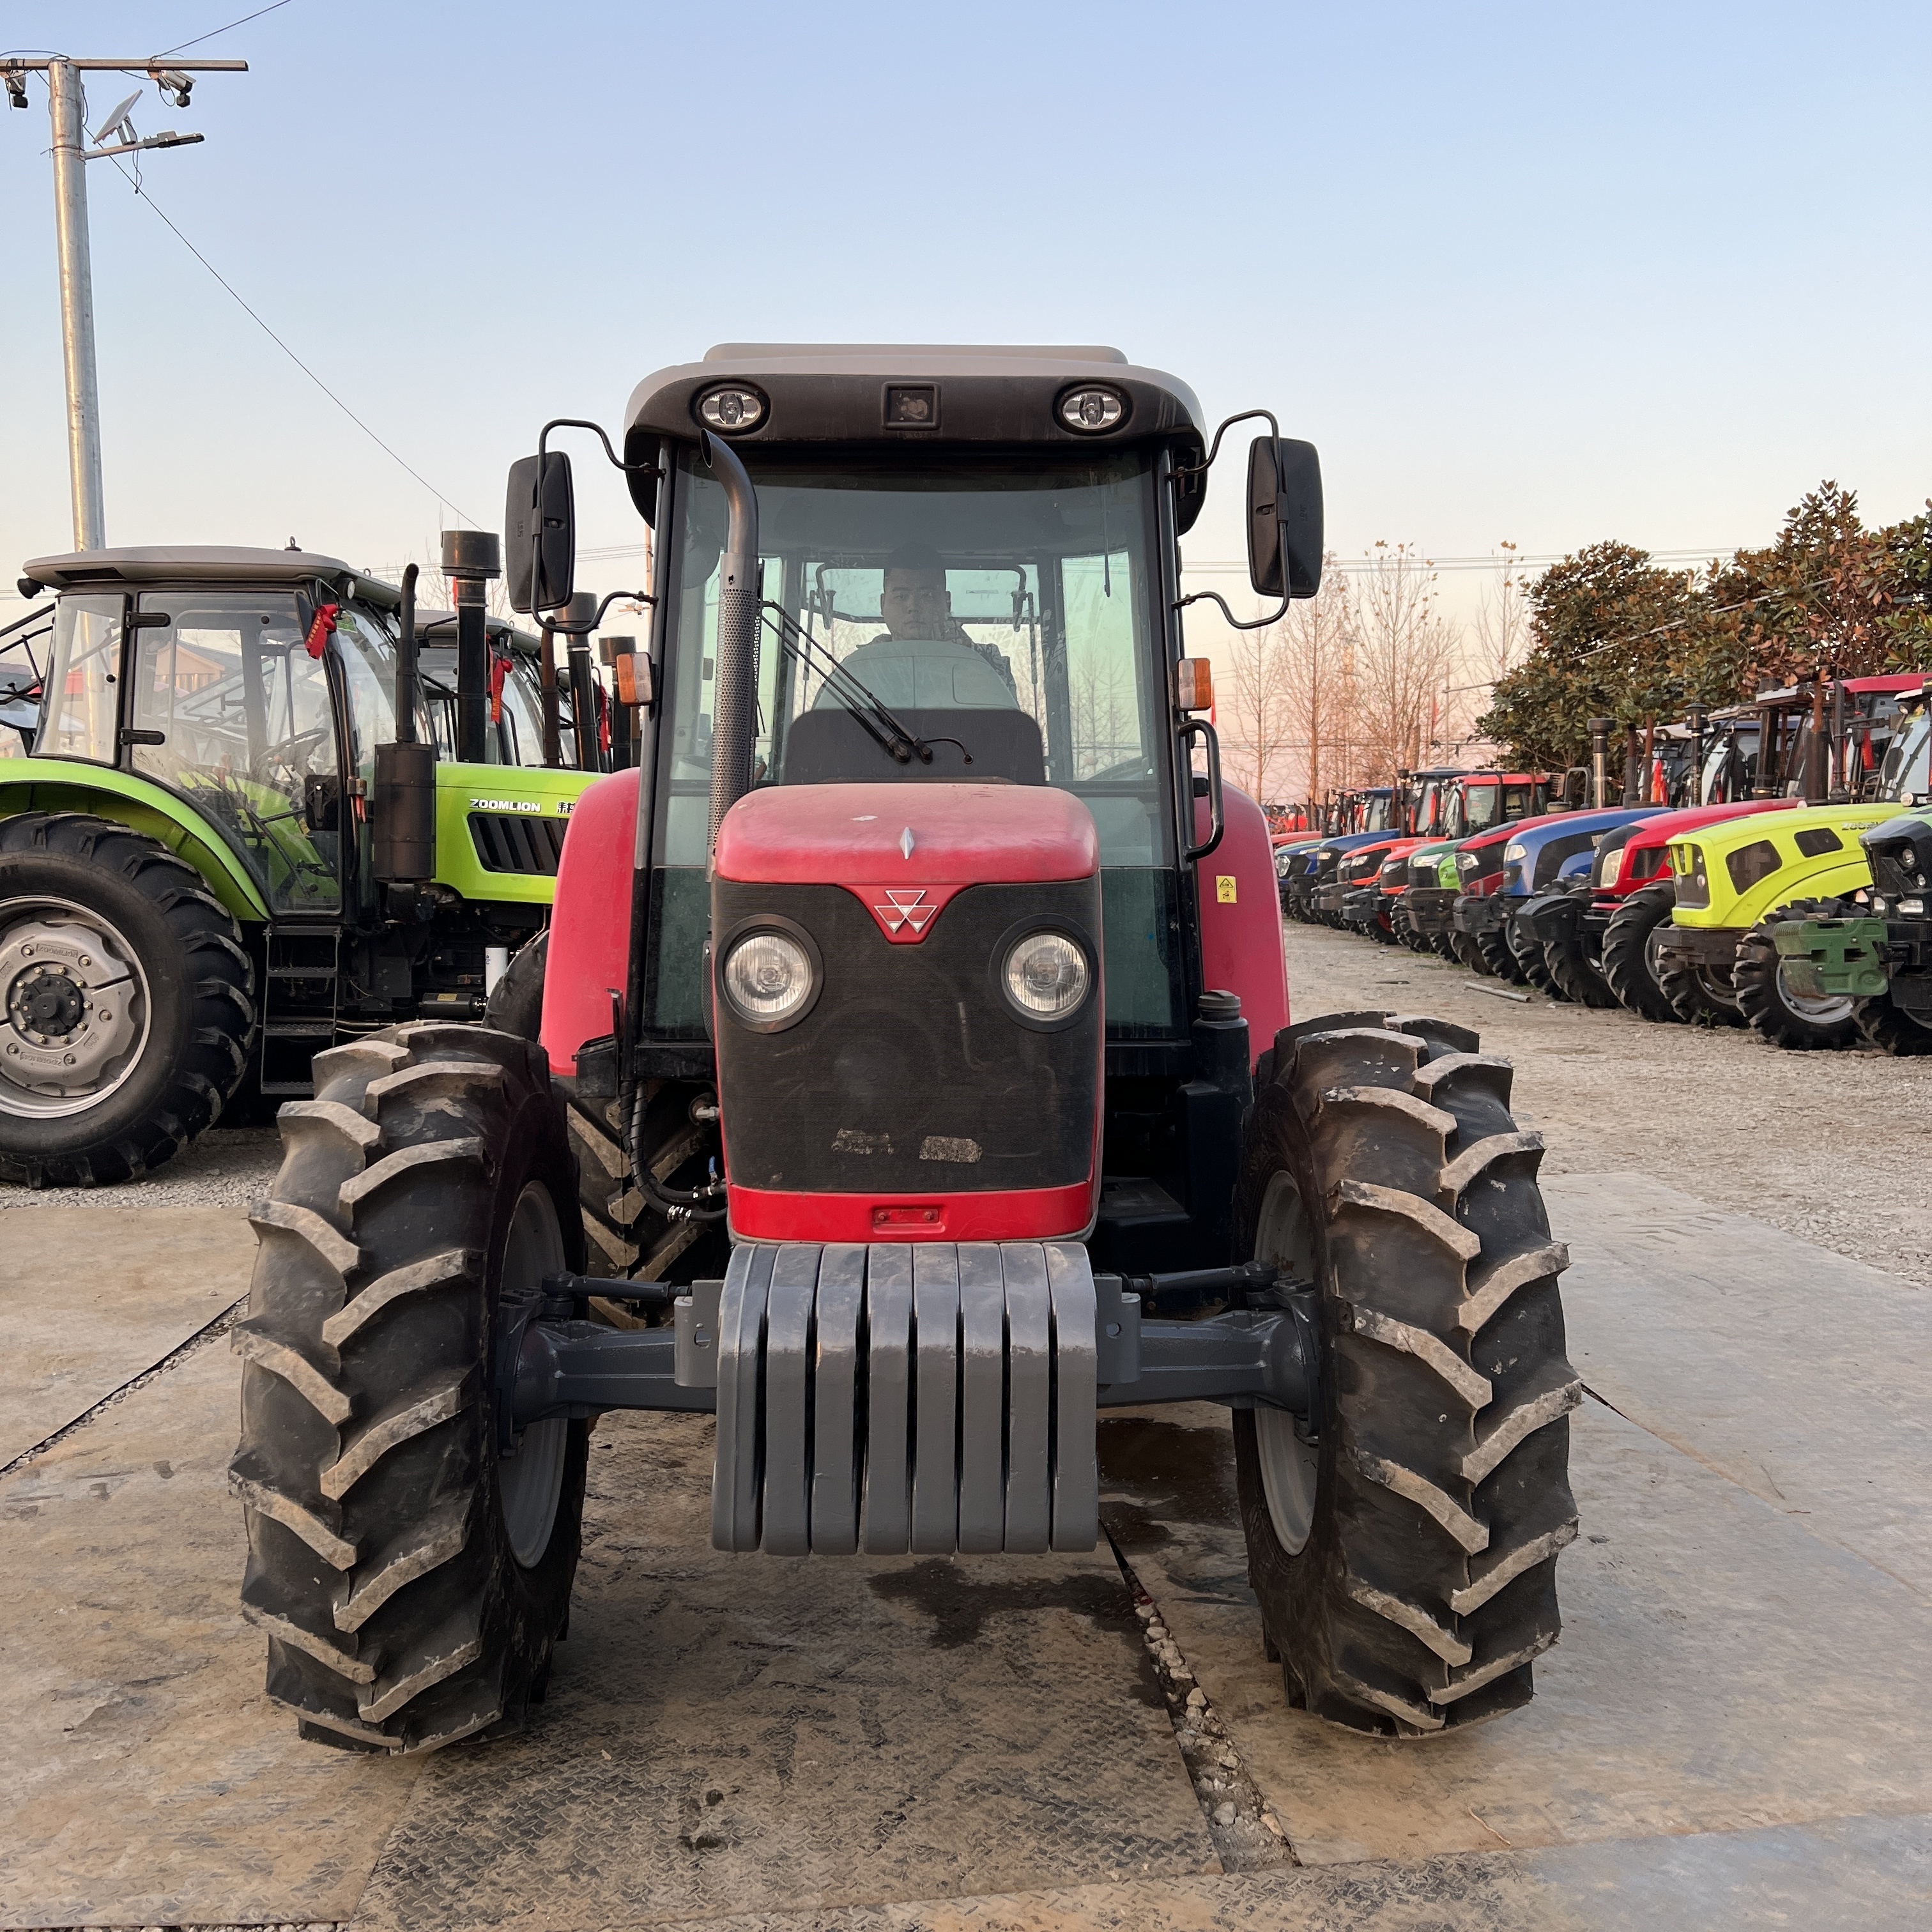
(916, 1015)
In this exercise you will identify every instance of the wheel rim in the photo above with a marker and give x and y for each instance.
(1719, 992)
(528, 1485)
(74, 1008)
(1832, 1010)
(1289, 1465)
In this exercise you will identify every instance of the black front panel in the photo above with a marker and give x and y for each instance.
(910, 1074)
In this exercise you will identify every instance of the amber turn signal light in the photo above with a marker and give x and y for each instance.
(1194, 684)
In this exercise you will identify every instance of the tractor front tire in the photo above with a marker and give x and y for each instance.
(1403, 1544)
(1527, 953)
(1703, 995)
(1770, 1007)
(1492, 949)
(1574, 974)
(1630, 951)
(412, 1579)
(1886, 1026)
(116, 962)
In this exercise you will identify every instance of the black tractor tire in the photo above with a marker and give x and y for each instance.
(1527, 953)
(1574, 974)
(1770, 1008)
(193, 991)
(1892, 1030)
(412, 1582)
(1492, 948)
(1404, 1556)
(627, 1235)
(1629, 961)
(1703, 995)
(1378, 931)
(1443, 945)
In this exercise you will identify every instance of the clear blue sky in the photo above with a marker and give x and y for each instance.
(1548, 273)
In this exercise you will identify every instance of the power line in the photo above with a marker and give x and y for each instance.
(219, 31)
(142, 193)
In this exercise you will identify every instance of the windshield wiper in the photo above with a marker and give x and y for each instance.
(887, 732)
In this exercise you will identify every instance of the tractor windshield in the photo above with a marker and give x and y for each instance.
(1003, 620)
(1904, 778)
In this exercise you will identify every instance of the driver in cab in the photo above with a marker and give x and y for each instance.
(924, 659)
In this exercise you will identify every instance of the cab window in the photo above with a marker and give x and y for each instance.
(231, 711)
(81, 712)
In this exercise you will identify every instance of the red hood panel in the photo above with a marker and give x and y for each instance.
(907, 836)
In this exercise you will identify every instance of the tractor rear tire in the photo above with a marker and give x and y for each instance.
(1404, 1551)
(178, 1016)
(628, 1236)
(1770, 1007)
(1630, 951)
(1886, 1026)
(411, 1580)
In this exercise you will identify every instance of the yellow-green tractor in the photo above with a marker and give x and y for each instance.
(225, 847)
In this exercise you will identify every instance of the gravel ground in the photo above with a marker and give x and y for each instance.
(229, 1168)
(1824, 1145)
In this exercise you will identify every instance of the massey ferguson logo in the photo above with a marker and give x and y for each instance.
(905, 915)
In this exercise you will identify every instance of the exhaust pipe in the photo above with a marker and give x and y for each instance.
(735, 703)
(470, 558)
(403, 808)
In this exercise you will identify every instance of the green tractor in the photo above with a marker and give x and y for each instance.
(1757, 898)
(217, 860)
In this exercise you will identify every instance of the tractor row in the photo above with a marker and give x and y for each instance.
(1798, 915)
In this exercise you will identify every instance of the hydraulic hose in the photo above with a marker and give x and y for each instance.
(674, 1204)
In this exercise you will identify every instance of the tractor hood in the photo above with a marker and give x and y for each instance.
(906, 850)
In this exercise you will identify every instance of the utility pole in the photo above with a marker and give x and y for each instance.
(71, 153)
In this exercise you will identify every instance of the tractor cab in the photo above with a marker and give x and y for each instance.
(959, 640)
(254, 686)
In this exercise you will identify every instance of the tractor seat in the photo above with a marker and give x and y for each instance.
(831, 747)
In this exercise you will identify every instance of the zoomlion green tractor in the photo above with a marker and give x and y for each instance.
(1729, 954)
(216, 861)
(1879, 956)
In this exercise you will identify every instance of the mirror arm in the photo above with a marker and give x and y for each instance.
(1180, 472)
(610, 597)
(1233, 622)
(597, 429)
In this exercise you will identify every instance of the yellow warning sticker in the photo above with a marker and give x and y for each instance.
(1224, 890)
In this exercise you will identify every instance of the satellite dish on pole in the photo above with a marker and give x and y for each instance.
(117, 120)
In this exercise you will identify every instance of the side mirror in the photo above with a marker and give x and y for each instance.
(1284, 517)
(540, 533)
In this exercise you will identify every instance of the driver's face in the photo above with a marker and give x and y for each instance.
(916, 603)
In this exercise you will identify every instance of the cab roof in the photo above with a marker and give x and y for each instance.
(205, 564)
(819, 392)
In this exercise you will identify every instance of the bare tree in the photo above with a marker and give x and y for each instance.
(1252, 713)
(1407, 652)
(1501, 623)
(1317, 671)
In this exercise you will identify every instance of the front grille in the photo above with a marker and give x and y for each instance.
(512, 841)
(910, 1074)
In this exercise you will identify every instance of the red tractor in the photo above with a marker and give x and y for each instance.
(915, 1016)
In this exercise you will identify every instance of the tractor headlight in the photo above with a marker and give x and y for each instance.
(768, 979)
(1045, 975)
(1909, 858)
